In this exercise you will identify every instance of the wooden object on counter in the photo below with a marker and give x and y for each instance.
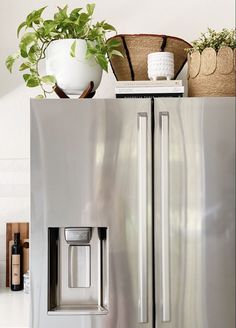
(25, 255)
(11, 228)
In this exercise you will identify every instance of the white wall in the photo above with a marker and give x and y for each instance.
(183, 18)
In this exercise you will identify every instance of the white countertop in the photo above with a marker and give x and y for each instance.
(14, 309)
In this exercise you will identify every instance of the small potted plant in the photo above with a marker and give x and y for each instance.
(75, 49)
(211, 66)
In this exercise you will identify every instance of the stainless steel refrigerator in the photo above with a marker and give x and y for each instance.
(133, 213)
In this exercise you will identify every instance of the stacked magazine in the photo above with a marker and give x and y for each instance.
(143, 89)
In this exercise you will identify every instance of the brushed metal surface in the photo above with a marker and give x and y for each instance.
(79, 267)
(202, 212)
(84, 174)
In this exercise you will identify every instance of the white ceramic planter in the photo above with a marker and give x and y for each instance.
(161, 65)
(73, 74)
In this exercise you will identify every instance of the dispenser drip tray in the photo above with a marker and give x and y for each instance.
(78, 270)
(78, 310)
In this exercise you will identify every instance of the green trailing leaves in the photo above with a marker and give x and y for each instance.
(113, 43)
(24, 66)
(72, 49)
(26, 77)
(90, 8)
(27, 40)
(62, 14)
(38, 33)
(34, 17)
(102, 61)
(115, 53)
(31, 80)
(91, 49)
(108, 27)
(20, 28)
(34, 53)
(83, 19)
(11, 60)
(48, 79)
(75, 14)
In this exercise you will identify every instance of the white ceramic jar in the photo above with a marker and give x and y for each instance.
(73, 74)
(160, 65)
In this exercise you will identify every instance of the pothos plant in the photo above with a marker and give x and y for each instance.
(215, 40)
(40, 32)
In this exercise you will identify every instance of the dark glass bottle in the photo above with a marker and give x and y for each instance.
(16, 264)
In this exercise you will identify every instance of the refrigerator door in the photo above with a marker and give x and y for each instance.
(195, 213)
(91, 174)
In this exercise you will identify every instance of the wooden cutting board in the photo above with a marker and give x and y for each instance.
(11, 228)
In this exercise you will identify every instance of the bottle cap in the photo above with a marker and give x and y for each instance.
(17, 237)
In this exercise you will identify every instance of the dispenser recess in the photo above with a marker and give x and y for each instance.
(78, 270)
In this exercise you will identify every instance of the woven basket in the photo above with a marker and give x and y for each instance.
(136, 47)
(211, 73)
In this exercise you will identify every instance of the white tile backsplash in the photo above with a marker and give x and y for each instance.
(3, 273)
(2, 228)
(13, 177)
(14, 125)
(14, 200)
(2, 246)
(14, 165)
(14, 190)
(14, 209)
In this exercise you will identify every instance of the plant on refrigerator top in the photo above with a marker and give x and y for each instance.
(215, 40)
(39, 33)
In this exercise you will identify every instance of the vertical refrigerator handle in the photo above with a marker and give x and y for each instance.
(142, 218)
(165, 242)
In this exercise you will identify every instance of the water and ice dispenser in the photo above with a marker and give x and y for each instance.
(79, 260)
(78, 270)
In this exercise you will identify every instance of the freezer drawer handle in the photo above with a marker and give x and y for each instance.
(165, 242)
(142, 217)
